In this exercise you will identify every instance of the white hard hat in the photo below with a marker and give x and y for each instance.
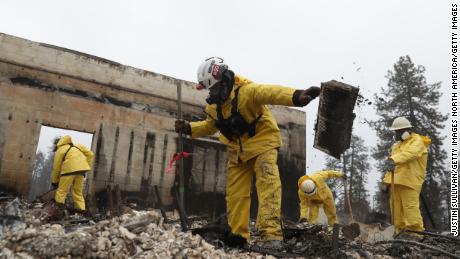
(308, 187)
(400, 123)
(210, 72)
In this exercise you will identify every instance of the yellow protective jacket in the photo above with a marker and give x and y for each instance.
(252, 101)
(410, 157)
(322, 189)
(78, 158)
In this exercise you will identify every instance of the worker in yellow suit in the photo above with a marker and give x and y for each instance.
(315, 193)
(71, 163)
(237, 108)
(408, 160)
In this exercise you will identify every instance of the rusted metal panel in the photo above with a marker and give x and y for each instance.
(335, 117)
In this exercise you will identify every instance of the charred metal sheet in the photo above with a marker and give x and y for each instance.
(334, 122)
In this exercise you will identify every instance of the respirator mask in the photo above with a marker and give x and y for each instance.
(401, 135)
(220, 92)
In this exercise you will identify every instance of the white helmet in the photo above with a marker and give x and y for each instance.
(308, 187)
(210, 72)
(400, 123)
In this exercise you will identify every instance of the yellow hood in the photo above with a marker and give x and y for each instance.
(240, 81)
(64, 141)
(426, 140)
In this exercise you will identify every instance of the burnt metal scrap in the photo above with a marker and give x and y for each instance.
(335, 117)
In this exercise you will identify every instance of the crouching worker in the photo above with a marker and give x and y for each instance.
(71, 163)
(314, 193)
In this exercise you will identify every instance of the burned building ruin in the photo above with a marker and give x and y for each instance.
(131, 113)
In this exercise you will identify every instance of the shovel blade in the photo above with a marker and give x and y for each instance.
(46, 197)
(372, 233)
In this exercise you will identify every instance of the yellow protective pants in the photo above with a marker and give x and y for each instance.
(328, 207)
(407, 211)
(76, 182)
(268, 184)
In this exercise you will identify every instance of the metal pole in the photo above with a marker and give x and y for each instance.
(180, 148)
(392, 197)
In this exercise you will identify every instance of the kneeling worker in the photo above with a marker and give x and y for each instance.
(314, 193)
(71, 163)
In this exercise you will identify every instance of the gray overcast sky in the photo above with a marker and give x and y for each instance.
(293, 43)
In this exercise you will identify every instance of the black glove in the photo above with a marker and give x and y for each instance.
(181, 126)
(303, 97)
(313, 91)
(54, 186)
(390, 165)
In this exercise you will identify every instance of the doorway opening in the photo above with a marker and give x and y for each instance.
(44, 157)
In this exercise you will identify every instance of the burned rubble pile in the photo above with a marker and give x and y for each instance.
(144, 234)
(137, 234)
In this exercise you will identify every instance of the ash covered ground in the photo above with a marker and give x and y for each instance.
(144, 234)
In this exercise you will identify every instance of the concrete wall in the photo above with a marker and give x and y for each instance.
(130, 111)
